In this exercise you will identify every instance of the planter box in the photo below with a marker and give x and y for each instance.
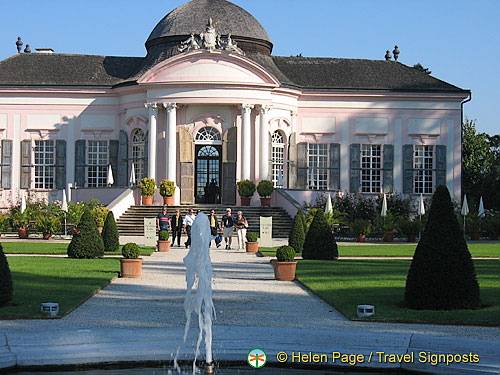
(163, 246)
(361, 238)
(388, 236)
(131, 267)
(147, 201)
(252, 247)
(245, 201)
(23, 232)
(265, 202)
(168, 201)
(284, 271)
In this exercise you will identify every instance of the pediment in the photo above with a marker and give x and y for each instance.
(202, 67)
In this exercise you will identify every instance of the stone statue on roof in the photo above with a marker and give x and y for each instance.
(232, 46)
(189, 44)
(209, 37)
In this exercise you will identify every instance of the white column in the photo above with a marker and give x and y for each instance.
(398, 156)
(153, 118)
(293, 127)
(70, 151)
(246, 141)
(16, 156)
(170, 142)
(264, 142)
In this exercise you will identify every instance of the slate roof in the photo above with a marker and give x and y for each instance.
(306, 73)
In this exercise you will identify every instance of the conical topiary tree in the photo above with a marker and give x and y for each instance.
(110, 235)
(6, 288)
(88, 242)
(320, 242)
(296, 237)
(441, 275)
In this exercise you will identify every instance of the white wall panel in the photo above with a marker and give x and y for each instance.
(43, 122)
(424, 126)
(367, 125)
(318, 124)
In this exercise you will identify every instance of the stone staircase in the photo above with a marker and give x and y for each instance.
(131, 223)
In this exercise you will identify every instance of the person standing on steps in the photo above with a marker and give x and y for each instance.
(176, 223)
(227, 225)
(163, 220)
(188, 223)
(241, 225)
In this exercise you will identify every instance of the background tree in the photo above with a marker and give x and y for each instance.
(110, 234)
(420, 67)
(6, 288)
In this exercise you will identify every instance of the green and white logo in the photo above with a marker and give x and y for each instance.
(257, 358)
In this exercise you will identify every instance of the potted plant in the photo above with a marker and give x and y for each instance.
(473, 226)
(48, 225)
(285, 265)
(410, 229)
(163, 242)
(388, 227)
(167, 191)
(131, 264)
(21, 221)
(492, 227)
(99, 214)
(148, 188)
(4, 224)
(252, 244)
(246, 188)
(360, 228)
(265, 188)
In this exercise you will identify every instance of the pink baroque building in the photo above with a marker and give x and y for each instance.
(210, 103)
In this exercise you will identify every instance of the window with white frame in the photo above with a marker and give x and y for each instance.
(138, 157)
(278, 158)
(318, 166)
(371, 164)
(423, 163)
(44, 153)
(97, 169)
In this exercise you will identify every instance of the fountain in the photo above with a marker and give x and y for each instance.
(199, 289)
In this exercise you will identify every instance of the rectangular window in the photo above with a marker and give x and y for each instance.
(44, 164)
(97, 170)
(318, 166)
(371, 163)
(423, 165)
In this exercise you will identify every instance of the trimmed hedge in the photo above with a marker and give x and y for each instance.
(131, 251)
(87, 244)
(6, 288)
(320, 243)
(297, 236)
(252, 237)
(110, 235)
(164, 235)
(285, 254)
(442, 275)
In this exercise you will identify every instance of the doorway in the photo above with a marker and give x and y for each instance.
(208, 174)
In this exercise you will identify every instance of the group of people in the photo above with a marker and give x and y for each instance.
(228, 224)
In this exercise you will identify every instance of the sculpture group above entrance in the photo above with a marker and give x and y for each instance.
(210, 40)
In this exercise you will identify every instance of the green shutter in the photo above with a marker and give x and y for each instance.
(302, 165)
(6, 163)
(440, 165)
(113, 158)
(60, 164)
(408, 169)
(355, 182)
(122, 172)
(334, 166)
(25, 164)
(388, 173)
(80, 163)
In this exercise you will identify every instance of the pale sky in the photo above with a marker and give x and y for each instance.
(456, 39)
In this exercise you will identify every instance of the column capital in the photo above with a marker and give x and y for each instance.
(265, 108)
(170, 106)
(247, 107)
(151, 106)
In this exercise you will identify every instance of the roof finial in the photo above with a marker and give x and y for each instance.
(388, 55)
(27, 49)
(19, 44)
(396, 52)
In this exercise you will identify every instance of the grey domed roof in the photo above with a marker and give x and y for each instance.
(193, 16)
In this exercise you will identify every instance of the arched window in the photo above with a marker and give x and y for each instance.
(208, 135)
(278, 158)
(138, 157)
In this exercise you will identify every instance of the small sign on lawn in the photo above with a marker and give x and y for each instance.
(149, 232)
(266, 231)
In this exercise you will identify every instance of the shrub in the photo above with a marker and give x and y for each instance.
(167, 188)
(442, 275)
(285, 254)
(20, 220)
(148, 186)
(246, 188)
(360, 227)
(397, 204)
(48, 224)
(88, 243)
(6, 288)
(4, 223)
(296, 237)
(265, 188)
(131, 251)
(110, 235)
(320, 242)
(75, 212)
(492, 226)
(164, 235)
(100, 214)
(409, 227)
(252, 237)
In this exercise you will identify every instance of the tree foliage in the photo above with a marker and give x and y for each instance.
(296, 237)
(442, 275)
(6, 288)
(320, 242)
(110, 235)
(88, 242)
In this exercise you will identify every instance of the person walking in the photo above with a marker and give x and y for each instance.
(163, 220)
(188, 223)
(214, 225)
(241, 225)
(227, 226)
(176, 224)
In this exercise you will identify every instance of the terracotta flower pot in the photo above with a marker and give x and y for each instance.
(388, 236)
(362, 238)
(475, 235)
(265, 202)
(168, 201)
(252, 247)
(163, 246)
(284, 271)
(47, 236)
(23, 232)
(412, 237)
(147, 201)
(245, 201)
(131, 267)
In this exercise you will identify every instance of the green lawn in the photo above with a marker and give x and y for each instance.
(489, 250)
(48, 247)
(46, 279)
(347, 283)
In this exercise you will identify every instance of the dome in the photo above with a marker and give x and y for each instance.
(193, 16)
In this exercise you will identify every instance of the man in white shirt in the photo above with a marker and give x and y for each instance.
(188, 223)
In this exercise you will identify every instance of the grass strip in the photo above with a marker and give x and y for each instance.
(51, 248)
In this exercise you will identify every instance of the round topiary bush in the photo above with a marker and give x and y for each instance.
(442, 275)
(148, 186)
(265, 188)
(110, 235)
(88, 242)
(246, 188)
(320, 242)
(131, 251)
(6, 288)
(285, 254)
(252, 237)
(297, 236)
(164, 235)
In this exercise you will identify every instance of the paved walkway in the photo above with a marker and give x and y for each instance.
(253, 310)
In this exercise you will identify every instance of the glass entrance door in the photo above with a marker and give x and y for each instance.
(208, 174)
